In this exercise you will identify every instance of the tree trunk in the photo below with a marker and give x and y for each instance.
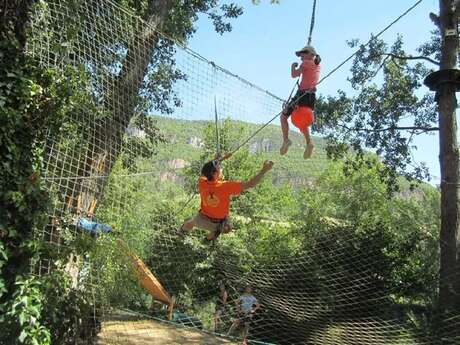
(449, 286)
(105, 143)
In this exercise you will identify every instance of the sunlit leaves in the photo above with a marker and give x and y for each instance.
(384, 114)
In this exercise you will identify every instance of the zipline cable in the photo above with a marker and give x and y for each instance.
(372, 38)
(185, 205)
(260, 128)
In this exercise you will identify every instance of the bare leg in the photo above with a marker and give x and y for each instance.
(285, 129)
(309, 144)
(210, 236)
(189, 224)
(307, 135)
(216, 320)
(227, 228)
(245, 333)
(233, 326)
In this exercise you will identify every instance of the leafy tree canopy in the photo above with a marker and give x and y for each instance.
(386, 111)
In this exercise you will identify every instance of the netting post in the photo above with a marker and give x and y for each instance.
(171, 308)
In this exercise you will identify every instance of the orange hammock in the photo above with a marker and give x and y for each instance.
(148, 280)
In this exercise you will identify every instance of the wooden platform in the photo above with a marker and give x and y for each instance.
(143, 332)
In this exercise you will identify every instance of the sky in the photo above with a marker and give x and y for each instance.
(261, 46)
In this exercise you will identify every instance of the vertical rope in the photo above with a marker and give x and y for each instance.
(217, 128)
(312, 22)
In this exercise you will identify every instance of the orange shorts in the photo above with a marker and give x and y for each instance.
(302, 118)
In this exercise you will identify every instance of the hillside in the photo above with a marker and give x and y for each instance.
(185, 138)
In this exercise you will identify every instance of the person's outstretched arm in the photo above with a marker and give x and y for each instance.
(254, 181)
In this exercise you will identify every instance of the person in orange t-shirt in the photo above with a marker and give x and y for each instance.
(215, 193)
(309, 69)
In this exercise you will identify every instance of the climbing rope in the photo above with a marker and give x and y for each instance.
(216, 119)
(217, 128)
(185, 204)
(312, 22)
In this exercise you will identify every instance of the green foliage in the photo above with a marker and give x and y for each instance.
(386, 113)
(291, 168)
(21, 315)
(156, 91)
(143, 142)
(116, 274)
(354, 215)
(340, 221)
(35, 102)
(68, 312)
(22, 99)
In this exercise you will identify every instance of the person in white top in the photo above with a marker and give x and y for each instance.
(247, 305)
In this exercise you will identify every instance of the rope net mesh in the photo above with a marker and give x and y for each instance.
(125, 159)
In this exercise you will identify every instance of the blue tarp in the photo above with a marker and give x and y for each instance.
(93, 226)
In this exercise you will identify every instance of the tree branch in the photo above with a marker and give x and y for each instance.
(412, 58)
(412, 128)
(379, 68)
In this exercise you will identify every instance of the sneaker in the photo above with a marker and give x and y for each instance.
(308, 151)
(284, 148)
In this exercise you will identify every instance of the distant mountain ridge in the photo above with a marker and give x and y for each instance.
(186, 139)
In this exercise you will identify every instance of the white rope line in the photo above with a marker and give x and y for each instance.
(152, 172)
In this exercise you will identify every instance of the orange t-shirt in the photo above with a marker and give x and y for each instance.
(310, 74)
(215, 196)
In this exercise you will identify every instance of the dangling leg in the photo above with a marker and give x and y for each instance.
(245, 333)
(235, 324)
(227, 226)
(309, 146)
(217, 319)
(310, 103)
(211, 236)
(285, 130)
(186, 227)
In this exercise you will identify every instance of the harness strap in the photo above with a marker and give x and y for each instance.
(214, 220)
